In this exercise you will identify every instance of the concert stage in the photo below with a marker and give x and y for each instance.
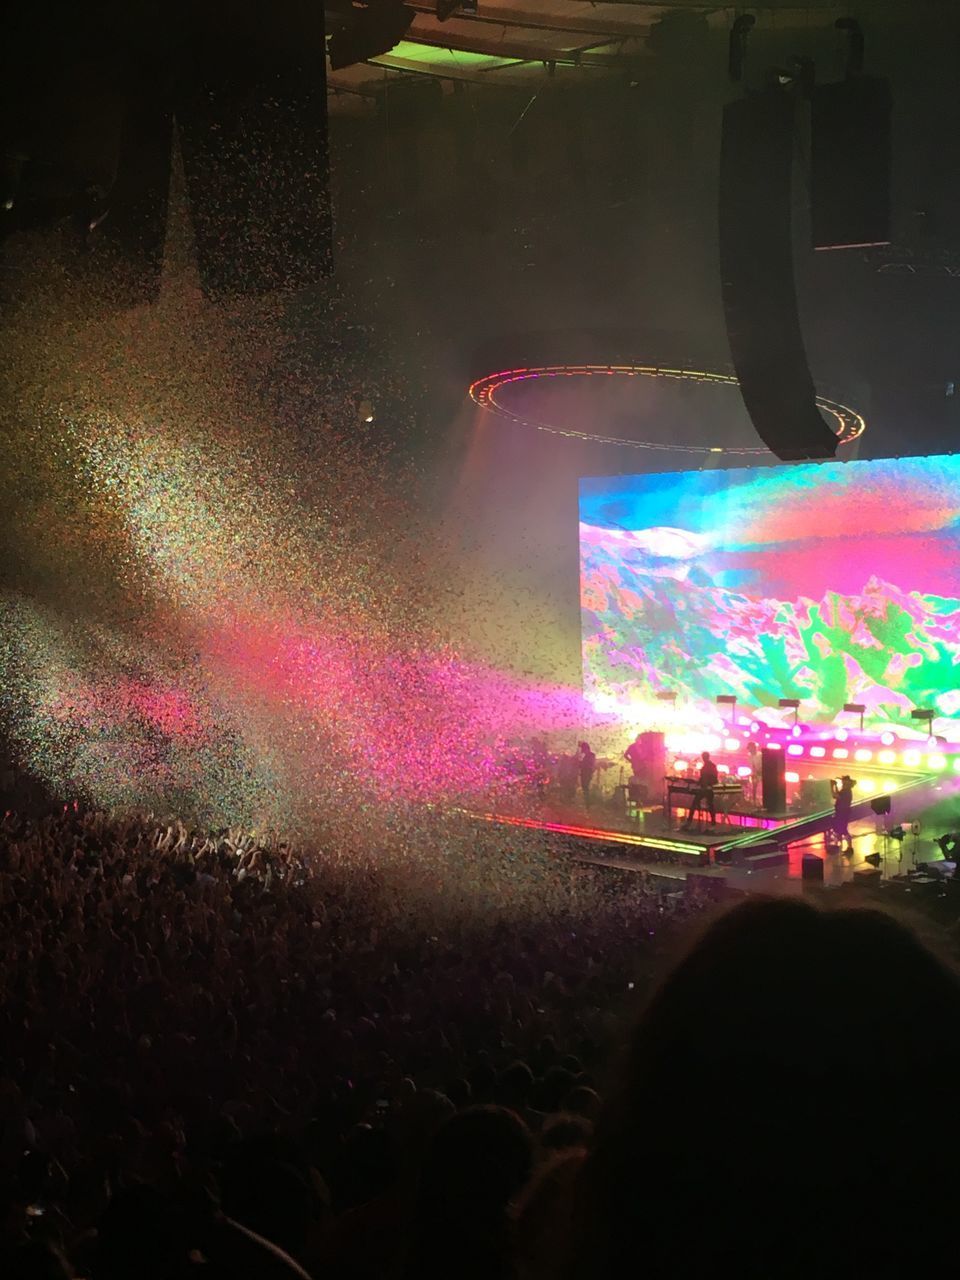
(803, 614)
(749, 850)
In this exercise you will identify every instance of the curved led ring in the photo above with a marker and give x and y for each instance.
(849, 424)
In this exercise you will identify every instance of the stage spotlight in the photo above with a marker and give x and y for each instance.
(856, 709)
(728, 700)
(887, 739)
(841, 735)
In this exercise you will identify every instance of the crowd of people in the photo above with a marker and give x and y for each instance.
(219, 1052)
(170, 996)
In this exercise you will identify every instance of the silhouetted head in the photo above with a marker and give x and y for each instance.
(705, 757)
(270, 1197)
(582, 1101)
(142, 1233)
(566, 1133)
(514, 1085)
(766, 1083)
(477, 1163)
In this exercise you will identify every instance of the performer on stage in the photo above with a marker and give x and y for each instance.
(567, 771)
(588, 763)
(842, 793)
(755, 761)
(708, 779)
(636, 754)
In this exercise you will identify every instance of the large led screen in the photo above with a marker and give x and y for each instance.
(833, 583)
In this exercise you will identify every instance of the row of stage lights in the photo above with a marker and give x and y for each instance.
(929, 761)
(826, 752)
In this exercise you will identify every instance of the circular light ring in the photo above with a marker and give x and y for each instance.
(849, 424)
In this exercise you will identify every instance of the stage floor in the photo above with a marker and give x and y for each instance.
(764, 852)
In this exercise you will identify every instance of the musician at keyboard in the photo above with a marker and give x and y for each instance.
(707, 780)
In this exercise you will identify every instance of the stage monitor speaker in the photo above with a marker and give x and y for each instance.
(811, 868)
(773, 776)
(880, 804)
(867, 876)
(759, 291)
(850, 163)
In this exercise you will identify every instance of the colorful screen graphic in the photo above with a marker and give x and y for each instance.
(830, 582)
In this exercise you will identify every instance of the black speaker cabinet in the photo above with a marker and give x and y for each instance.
(774, 781)
(757, 277)
(850, 163)
(811, 868)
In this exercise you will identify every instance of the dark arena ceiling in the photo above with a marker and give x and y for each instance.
(548, 168)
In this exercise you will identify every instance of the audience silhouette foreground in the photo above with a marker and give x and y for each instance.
(785, 1108)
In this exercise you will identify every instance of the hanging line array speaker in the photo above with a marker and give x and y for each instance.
(759, 290)
(850, 163)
